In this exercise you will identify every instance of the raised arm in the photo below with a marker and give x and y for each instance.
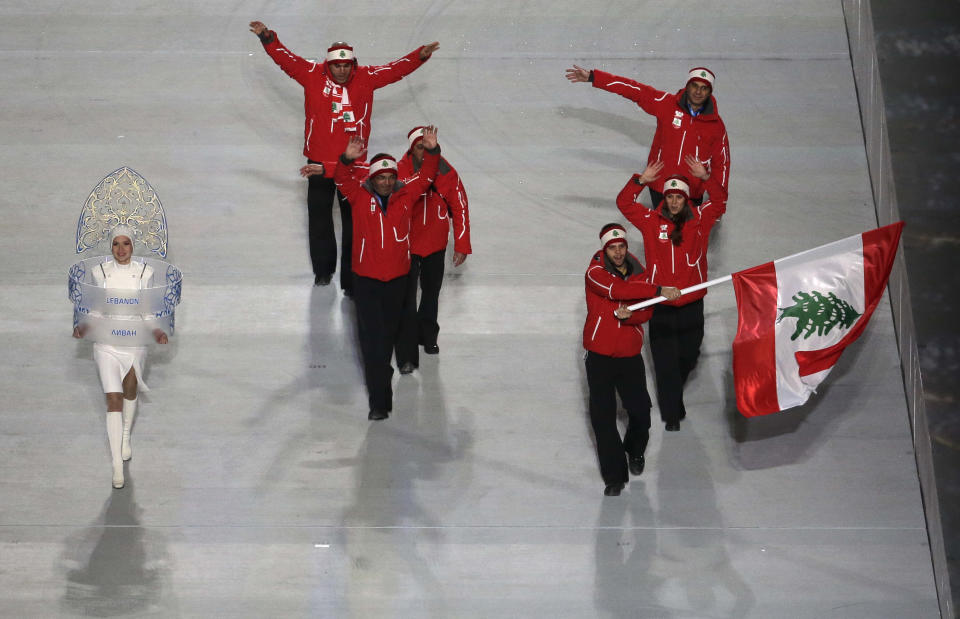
(645, 96)
(293, 65)
(431, 161)
(717, 205)
(401, 67)
(343, 175)
(634, 211)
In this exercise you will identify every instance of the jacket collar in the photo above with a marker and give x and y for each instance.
(633, 265)
(709, 111)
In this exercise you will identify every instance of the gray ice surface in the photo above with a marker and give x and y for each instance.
(259, 488)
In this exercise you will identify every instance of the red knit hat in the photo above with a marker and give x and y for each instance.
(612, 234)
(383, 164)
(701, 74)
(340, 52)
(677, 184)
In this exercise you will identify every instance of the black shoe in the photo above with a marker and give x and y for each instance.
(377, 414)
(613, 490)
(348, 292)
(673, 426)
(636, 465)
(321, 280)
(431, 349)
(407, 368)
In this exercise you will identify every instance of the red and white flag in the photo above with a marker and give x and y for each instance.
(798, 314)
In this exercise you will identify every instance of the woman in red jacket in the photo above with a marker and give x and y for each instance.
(613, 338)
(675, 239)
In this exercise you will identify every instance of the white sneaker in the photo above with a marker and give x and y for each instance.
(118, 475)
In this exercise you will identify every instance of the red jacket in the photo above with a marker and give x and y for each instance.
(678, 133)
(607, 289)
(669, 264)
(430, 223)
(381, 240)
(325, 131)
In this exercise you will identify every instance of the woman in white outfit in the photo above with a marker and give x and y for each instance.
(121, 367)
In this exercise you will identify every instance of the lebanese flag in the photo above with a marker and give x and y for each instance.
(798, 314)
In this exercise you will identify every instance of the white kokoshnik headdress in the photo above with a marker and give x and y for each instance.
(123, 204)
(123, 198)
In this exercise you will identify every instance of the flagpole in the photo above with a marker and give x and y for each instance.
(655, 300)
(726, 278)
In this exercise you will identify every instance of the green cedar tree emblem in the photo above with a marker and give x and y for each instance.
(673, 183)
(818, 312)
(703, 74)
(616, 233)
(343, 54)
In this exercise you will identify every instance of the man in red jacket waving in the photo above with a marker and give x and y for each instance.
(613, 337)
(444, 203)
(381, 208)
(688, 124)
(338, 103)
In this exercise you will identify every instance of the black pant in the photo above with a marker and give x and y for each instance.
(675, 336)
(607, 376)
(419, 325)
(379, 306)
(657, 198)
(323, 241)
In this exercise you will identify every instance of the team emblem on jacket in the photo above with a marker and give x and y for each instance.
(663, 233)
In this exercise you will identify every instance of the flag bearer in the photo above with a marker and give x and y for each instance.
(613, 338)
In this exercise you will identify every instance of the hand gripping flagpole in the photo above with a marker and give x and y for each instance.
(683, 291)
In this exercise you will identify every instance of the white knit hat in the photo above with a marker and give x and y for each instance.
(677, 184)
(340, 52)
(382, 165)
(613, 234)
(701, 74)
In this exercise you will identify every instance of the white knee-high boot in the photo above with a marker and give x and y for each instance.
(129, 411)
(114, 436)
